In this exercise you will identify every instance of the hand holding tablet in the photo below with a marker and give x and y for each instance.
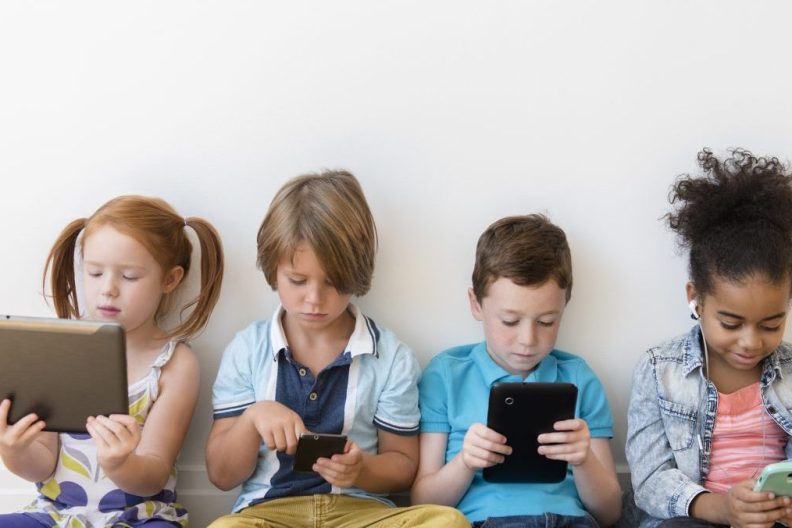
(521, 412)
(62, 370)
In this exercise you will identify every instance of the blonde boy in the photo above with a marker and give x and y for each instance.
(522, 281)
(318, 365)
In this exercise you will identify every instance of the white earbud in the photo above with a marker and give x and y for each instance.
(694, 309)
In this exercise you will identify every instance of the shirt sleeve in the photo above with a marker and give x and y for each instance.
(397, 407)
(434, 399)
(661, 488)
(233, 390)
(593, 403)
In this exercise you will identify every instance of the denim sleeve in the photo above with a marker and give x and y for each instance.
(661, 489)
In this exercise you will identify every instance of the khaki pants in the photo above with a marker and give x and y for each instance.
(340, 511)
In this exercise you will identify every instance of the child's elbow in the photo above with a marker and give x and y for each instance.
(220, 479)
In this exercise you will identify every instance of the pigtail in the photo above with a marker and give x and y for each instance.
(62, 281)
(211, 278)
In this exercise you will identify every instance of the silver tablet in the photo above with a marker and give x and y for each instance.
(62, 370)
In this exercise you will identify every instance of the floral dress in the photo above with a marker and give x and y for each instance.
(80, 495)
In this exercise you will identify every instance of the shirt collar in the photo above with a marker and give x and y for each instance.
(545, 371)
(364, 338)
(693, 352)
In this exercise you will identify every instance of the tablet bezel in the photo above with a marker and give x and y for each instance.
(533, 409)
(85, 374)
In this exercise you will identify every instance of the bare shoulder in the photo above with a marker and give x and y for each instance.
(183, 367)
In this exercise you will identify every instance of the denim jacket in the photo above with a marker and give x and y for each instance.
(671, 417)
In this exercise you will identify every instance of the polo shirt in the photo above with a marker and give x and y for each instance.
(371, 385)
(454, 392)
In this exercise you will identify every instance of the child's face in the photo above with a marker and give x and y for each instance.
(743, 322)
(307, 295)
(123, 283)
(520, 322)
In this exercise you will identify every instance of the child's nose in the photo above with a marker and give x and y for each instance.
(109, 286)
(750, 339)
(527, 334)
(314, 294)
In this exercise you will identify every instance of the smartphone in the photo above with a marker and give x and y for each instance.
(776, 478)
(312, 446)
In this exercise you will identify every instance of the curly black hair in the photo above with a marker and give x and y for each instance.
(735, 219)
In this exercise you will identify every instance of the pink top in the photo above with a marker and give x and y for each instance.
(745, 439)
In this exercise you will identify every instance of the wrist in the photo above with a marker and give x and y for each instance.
(460, 460)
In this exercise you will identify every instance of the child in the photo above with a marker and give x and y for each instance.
(709, 409)
(522, 281)
(318, 365)
(135, 253)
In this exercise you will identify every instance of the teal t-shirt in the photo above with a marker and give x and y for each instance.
(454, 391)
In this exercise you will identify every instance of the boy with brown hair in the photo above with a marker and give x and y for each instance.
(522, 281)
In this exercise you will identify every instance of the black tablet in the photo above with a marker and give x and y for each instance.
(62, 370)
(521, 412)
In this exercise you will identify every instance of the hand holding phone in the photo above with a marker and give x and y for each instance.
(776, 478)
(312, 446)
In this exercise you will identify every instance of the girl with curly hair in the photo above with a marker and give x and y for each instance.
(711, 408)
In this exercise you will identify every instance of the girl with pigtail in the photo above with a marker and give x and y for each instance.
(134, 254)
(711, 408)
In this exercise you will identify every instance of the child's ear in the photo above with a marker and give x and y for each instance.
(475, 306)
(172, 279)
(690, 291)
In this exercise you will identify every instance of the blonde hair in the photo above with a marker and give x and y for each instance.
(329, 212)
(155, 225)
(527, 249)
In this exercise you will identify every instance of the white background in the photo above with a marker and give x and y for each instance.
(451, 113)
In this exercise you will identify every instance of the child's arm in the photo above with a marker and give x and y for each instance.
(26, 450)
(140, 462)
(233, 446)
(441, 483)
(592, 466)
(741, 507)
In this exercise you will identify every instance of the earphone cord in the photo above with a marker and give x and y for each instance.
(704, 400)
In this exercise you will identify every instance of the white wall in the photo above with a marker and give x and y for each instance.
(451, 113)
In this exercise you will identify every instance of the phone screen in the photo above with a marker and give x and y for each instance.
(312, 446)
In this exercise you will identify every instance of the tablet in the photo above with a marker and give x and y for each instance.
(521, 412)
(62, 370)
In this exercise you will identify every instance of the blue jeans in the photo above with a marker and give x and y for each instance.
(691, 522)
(547, 520)
(20, 520)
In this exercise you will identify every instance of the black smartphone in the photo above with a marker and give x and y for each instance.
(521, 412)
(312, 446)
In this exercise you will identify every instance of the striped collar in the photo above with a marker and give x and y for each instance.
(363, 340)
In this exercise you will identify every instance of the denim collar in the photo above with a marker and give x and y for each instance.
(546, 371)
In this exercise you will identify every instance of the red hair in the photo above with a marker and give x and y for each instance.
(157, 226)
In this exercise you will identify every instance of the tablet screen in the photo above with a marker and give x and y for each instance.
(521, 412)
(63, 370)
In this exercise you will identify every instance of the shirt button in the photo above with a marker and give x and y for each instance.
(312, 396)
(302, 372)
